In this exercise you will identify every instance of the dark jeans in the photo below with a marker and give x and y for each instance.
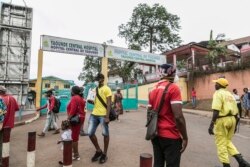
(240, 109)
(167, 151)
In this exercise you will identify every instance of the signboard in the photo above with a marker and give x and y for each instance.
(69, 46)
(134, 56)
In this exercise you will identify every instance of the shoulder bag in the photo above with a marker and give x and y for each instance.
(112, 114)
(152, 118)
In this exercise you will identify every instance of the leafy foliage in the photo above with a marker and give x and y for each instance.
(151, 27)
(216, 50)
(91, 66)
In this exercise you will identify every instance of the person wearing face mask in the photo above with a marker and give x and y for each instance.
(100, 116)
(171, 140)
(224, 122)
(51, 117)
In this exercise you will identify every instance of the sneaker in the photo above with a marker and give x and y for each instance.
(57, 131)
(41, 134)
(103, 159)
(96, 156)
(76, 158)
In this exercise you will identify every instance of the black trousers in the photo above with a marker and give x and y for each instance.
(240, 109)
(167, 151)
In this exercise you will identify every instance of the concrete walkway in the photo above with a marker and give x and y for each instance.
(209, 114)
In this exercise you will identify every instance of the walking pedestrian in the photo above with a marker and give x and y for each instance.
(76, 108)
(118, 103)
(82, 132)
(51, 116)
(172, 138)
(9, 117)
(246, 102)
(238, 101)
(223, 124)
(100, 115)
(193, 95)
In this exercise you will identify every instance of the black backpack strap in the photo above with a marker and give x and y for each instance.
(100, 98)
(163, 97)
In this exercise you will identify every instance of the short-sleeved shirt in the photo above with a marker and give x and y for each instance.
(224, 102)
(12, 107)
(76, 106)
(166, 122)
(99, 109)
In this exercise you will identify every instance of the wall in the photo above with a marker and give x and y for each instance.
(143, 91)
(237, 80)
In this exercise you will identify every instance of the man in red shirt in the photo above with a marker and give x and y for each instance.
(51, 117)
(172, 138)
(193, 95)
(9, 117)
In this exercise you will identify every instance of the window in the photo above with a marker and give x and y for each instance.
(67, 86)
(32, 85)
(47, 85)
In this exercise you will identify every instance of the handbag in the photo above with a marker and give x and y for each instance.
(75, 120)
(152, 118)
(112, 114)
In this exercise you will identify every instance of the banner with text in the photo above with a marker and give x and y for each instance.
(69, 46)
(134, 56)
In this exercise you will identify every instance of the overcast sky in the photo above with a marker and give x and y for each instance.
(98, 20)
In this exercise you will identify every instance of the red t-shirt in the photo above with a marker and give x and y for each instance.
(52, 101)
(12, 107)
(166, 122)
(76, 106)
(193, 93)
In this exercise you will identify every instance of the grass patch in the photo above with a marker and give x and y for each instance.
(201, 105)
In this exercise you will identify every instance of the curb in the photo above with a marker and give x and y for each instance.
(204, 114)
(28, 121)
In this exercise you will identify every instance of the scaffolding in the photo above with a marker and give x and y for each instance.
(15, 49)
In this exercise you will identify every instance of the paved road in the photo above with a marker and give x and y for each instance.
(127, 142)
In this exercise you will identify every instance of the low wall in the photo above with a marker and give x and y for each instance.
(143, 91)
(237, 80)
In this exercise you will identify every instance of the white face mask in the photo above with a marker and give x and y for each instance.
(96, 83)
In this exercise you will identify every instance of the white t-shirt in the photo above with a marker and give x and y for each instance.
(237, 98)
(66, 135)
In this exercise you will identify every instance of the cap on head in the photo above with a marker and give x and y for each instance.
(168, 70)
(222, 81)
(2, 89)
(118, 88)
(99, 76)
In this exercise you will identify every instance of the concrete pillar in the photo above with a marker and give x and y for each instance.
(193, 57)
(31, 149)
(105, 69)
(145, 160)
(6, 147)
(39, 78)
(174, 59)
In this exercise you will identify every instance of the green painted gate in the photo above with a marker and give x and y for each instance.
(129, 92)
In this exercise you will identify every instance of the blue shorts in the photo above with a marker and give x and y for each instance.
(94, 121)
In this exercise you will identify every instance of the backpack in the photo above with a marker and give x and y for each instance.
(57, 106)
(3, 109)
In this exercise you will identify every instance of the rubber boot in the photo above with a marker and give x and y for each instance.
(226, 165)
(241, 161)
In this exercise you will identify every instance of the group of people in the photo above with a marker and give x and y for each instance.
(76, 110)
(172, 139)
(243, 102)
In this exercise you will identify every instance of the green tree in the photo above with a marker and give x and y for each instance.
(216, 51)
(91, 67)
(151, 27)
